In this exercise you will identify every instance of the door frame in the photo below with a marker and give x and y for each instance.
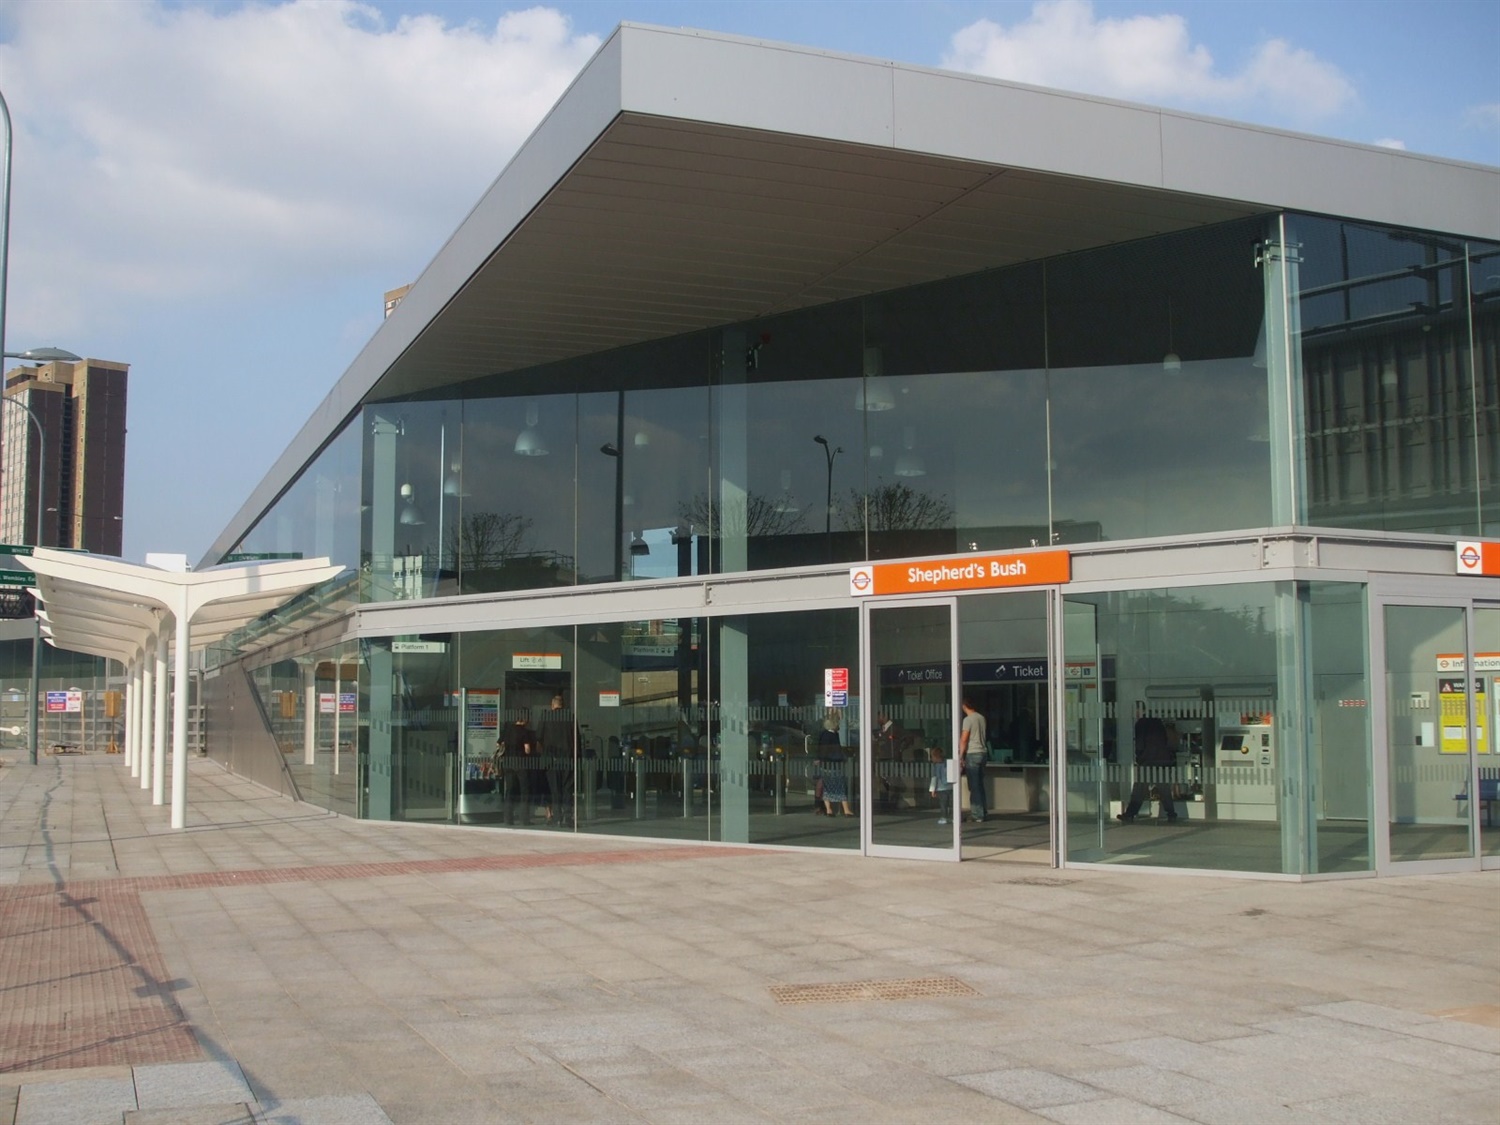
(868, 710)
(1458, 594)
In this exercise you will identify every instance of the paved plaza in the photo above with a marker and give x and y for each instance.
(276, 963)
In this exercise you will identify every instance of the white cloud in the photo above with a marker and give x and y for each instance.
(1063, 43)
(164, 151)
(1391, 142)
(1484, 116)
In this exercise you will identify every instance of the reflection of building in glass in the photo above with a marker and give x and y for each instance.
(81, 409)
(759, 436)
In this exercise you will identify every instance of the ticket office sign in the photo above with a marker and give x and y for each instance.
(961, 572)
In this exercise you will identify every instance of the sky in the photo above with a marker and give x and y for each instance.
(219, 194)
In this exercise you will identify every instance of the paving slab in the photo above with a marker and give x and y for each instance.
(284, 963)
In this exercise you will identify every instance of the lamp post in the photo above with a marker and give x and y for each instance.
(37, 355)
(616, 450)
(829, 452)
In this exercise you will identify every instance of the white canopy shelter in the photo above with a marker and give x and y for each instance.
(134, 614)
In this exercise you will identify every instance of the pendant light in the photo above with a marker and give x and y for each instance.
(529, 442)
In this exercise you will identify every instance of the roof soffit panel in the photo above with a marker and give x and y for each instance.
(696, 233)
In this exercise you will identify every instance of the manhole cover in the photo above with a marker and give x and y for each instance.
(917, 988)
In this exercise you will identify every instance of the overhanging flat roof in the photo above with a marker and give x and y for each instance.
(686, 180)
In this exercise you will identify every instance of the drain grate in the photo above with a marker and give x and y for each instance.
(1041, 881)
(915, 988)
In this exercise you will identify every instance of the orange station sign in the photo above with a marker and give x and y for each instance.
(961, 572)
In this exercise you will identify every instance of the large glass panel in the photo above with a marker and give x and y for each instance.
(1002, 647)
(408, 728)
(1428, 707)
(787, 767)
(1388, 386)
(788, 429)
(507, 497)
(1339, 730)
(1159, 414)
(318, 516)
(646, 736)
(517, 730)
(1187, 753)
(404, 503)
(955, 413)
(1484, 312)
(1486, 789)
(325, 773)
(644, 506)
(914, 752)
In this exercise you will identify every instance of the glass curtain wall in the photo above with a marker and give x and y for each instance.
(686, 728)
(1397, 340)
(1228, 732)
(1114, 394)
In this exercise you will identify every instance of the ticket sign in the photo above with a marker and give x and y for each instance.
(1475, 557)
(961, 572)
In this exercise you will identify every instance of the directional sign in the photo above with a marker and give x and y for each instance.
(17, 578)
(15, 548)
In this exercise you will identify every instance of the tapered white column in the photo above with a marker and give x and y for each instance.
(148, 693)
(159, 725)
(132, 712)
(179, 714)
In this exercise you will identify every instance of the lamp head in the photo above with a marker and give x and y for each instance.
(45, 355)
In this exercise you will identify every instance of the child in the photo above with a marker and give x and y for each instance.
(940, 787)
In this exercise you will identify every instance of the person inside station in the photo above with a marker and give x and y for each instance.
(1155, 760)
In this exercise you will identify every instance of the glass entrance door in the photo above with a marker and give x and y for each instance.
(1438, 714)
(911, 804)
(1484, 786)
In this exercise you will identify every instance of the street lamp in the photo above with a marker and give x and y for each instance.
(830, 452)
(36, 355)
(616, 449)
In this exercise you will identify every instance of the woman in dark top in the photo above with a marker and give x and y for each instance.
(832, 767)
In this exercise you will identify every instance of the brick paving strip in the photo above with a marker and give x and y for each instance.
(82, 981)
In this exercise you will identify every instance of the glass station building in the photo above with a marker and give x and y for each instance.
(771, 394)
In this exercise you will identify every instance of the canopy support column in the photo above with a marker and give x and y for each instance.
(159, 727)
(148, 694)
(179, 713)
(132, 715)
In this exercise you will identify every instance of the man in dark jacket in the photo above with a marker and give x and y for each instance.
(1155, 760)
(516, 759)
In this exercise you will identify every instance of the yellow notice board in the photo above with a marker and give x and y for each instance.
(1453, 704)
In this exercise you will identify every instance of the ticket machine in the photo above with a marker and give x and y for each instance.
(1245, 766)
